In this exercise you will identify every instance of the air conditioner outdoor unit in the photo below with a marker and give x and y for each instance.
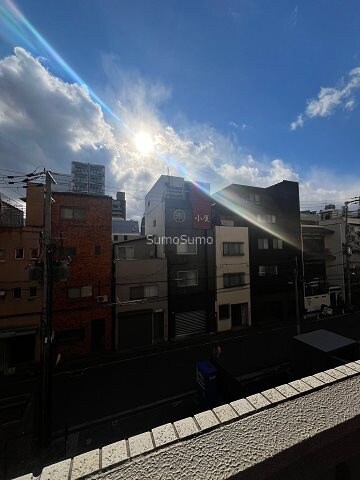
(102, 299)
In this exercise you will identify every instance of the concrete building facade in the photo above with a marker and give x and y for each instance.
(141, 310)
(233, 305)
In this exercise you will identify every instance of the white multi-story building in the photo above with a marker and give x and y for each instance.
(232, 304)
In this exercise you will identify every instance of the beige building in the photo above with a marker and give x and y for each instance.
(232, 305)
(140, 295)
(20, 299)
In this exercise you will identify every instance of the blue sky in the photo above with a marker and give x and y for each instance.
(228, 78)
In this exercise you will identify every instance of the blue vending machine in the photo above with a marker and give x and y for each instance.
(206, 378)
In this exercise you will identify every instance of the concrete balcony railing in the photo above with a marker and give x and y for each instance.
(308, 428)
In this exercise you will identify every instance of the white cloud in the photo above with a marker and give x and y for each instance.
(299, 122)
(46, 121)
(329, 99)
(294, 16)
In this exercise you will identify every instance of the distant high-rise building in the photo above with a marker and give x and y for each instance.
(88, 178)
(119, 206)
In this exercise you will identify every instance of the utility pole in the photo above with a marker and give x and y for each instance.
(46, 327)
(296, 286)
(348, 250)
(347, 257)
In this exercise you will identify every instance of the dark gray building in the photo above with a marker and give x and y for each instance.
(178, 217)
(272, 216)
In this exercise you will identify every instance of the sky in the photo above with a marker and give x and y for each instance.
(224, 91)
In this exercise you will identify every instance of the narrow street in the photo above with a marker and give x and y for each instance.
(102, 404)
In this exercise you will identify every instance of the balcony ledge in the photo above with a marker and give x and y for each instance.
(256, 437)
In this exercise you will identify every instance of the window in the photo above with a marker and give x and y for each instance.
(151, 291)
(34, 253)
(224, 312)
(270, 218)
(17, 292)
(116, 238)
(186, 248)
(125, 253)
(137, 293)
(97, 249)
(77, 292)
(86, 291)
(32, 292)
(234, 279)
(267, 270)
(277, 244)
(263, 243)
(233, 248)
(2, 254)
(19, 253)
(72, 213)
(74, 292)
(154, 222)
(188, 278)
(266, 218)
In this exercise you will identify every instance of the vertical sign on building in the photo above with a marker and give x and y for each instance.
(201, 205)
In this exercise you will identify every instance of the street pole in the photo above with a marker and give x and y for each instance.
(46, 327)
(347, 256)
(296, 285)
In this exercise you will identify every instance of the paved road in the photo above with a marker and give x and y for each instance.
(109, 389)
(112, 388)
(93, 403)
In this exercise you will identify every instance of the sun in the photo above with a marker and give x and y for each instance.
(144, 143)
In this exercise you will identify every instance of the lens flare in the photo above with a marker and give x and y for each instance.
(18, 30)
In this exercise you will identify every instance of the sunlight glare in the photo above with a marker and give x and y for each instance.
(144, 143)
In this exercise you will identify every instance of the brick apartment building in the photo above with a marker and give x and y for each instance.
(81, 305)
(20, 298)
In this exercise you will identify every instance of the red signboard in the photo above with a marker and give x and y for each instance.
(201, 208)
